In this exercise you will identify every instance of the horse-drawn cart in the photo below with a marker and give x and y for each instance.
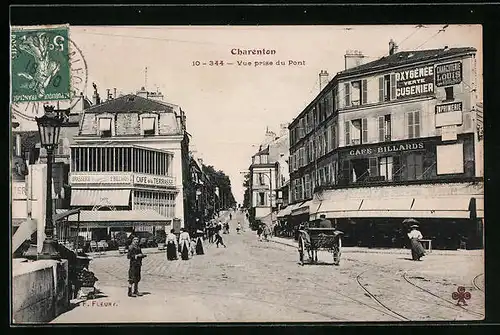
(313, 239)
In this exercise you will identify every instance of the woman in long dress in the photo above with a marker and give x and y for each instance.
(171, 246)
(417, 250)
(199, 243)
(184, 244)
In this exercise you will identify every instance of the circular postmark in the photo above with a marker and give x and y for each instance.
(47, 63)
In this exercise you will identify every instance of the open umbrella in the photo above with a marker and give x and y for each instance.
(410, 221)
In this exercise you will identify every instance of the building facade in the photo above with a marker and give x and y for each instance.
(130, 158)
(392, 139)
(268, 175)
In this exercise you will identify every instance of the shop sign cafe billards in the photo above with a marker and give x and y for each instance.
(386, 149)
(126, 179)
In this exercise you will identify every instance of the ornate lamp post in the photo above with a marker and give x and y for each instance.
(49, 127)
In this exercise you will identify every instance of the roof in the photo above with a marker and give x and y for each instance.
(130, 103)
(405, 57)
(263, 152)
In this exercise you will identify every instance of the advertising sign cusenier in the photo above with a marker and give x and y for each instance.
(448, 74)
(415, 82)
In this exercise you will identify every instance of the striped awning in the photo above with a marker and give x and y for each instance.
(285, 211)
(100, 197)
(128, 218)
(442, 207)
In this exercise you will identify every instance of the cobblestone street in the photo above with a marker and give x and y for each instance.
(252, 281)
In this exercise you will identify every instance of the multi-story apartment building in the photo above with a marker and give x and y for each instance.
(392, 139)
(128, 165)
(268, 173)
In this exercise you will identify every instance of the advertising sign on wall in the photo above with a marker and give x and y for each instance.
(448, 74)
(447, 108)
(77, 178)
(415, 82)
(153, 181)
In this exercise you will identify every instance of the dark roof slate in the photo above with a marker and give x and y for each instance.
(130, 103)
(404, 57)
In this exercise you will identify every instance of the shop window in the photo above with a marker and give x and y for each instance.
(386, 168)
(384, 128)
(414, 166)
(105, 127)
(449, 93)
(413, 119)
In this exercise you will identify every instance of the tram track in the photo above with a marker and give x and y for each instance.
(449, 305)
(441, 298)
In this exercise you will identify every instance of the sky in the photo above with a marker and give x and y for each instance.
(228, 107)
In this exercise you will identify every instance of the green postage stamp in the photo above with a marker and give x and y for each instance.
(40, 66)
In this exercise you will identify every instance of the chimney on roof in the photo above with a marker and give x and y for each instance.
(284, 129)
(353, 58)
(96, 99)
(109, 96)
(324, 78)
(393, 47)
(142, 93)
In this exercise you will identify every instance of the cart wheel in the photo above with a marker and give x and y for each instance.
(336, 256)
(301, 251)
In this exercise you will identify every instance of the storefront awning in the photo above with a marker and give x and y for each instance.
(308, 207)
(100, 197)
(386, 205)
(285, 211)
(442, 207)
(61, 214)
(98, 219)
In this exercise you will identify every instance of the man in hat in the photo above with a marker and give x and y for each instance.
(134, 273)
(417, 250)
(324, 222)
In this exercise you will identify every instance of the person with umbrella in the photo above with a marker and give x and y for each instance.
(417, 250)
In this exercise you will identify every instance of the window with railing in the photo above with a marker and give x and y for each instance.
(384, 128)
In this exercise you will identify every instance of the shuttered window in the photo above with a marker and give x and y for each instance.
(364, 127)
(381, 89)
(347, 94)
(364, 89)
(347, 133)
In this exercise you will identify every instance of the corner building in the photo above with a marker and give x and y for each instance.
(392, 139)
(127, 166)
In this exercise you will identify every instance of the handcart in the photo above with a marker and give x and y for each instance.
(313, 239)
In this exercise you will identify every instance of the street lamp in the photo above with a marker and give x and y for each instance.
(49, 127)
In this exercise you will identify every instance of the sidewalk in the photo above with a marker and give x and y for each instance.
(113, 305)
(292, 243)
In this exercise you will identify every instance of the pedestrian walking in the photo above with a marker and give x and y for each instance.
(171, 245)
(199, 244)
(417, 250)
(265, 232)
(134, 272)
(218, 239)
(238, 228)
(184, 244)
(259, 232)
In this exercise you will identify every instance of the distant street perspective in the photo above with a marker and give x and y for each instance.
(259, 281)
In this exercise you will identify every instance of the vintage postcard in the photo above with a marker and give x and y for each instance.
(216, 174)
